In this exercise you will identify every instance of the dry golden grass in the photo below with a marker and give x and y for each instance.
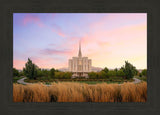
(80, 92)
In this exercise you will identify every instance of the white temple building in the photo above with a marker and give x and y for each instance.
(80, 66)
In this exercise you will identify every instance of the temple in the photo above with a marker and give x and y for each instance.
(80, 66)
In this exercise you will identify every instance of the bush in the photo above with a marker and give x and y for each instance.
(102, 75)
(63, 75)
(92, 75)
(140, 75)
(21, 73)
(15, 73)
(120, 73)
(39, 73)
(144, 72)
(43, 73)
(111, 73)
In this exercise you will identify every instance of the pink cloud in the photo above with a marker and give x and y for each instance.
(58, 30)
(54, 51)
(61, 34)
(32, 19)
(117, 35)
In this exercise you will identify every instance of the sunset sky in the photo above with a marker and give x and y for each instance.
(50, 39)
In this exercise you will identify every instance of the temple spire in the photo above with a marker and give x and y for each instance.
(80, 54)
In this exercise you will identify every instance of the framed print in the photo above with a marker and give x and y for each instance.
(55, 61)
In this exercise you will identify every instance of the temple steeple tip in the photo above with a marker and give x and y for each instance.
(80, 53)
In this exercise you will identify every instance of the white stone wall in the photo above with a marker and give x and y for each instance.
(90, 65)
(77, 64)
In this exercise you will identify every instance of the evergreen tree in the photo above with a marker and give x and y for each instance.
(30, 70)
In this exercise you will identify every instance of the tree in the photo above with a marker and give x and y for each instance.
(30, 70)
(106, 70)
(15, 72)
(129, 70)
(120, 73)
(57, 70)
(144, 72)
(45, 72)
(39, 73)
(136, 72)
(52, 72)
(116, 71)
(101, 75)
(21, 73)
(111, 73)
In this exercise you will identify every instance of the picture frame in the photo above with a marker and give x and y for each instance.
(70, 6)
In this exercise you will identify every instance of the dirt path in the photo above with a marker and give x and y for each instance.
(136, 80)
(21, 81)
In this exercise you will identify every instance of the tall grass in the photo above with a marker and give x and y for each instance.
(80, 92)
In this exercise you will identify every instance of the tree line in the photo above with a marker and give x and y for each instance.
(32, 71)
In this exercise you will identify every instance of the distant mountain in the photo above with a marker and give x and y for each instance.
(140, 70)
(64, 69)
(96, 69)
(20, 70)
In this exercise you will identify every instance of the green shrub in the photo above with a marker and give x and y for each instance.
(15, 72)
(111, 73)
(92, 75)
(144, 72)
(120, 73)
(63, 75)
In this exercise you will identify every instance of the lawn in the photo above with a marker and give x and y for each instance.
(96, 82)
(87, 81)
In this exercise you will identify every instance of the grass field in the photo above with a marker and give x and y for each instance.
(80, 92)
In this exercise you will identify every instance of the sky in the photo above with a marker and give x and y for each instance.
(109, 39)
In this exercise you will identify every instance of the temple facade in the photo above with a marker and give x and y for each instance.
(79, 66)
